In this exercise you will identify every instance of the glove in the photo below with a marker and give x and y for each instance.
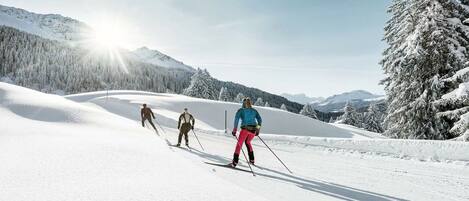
(234, 132)
(258, 130)
(179, 127)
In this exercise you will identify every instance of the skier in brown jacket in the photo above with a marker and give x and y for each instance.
(147, 114)
(186, 118)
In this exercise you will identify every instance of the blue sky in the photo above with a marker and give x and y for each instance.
(316, 47)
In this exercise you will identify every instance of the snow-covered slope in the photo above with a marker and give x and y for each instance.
(56, 149)
(50, 26)
(156, 57)
(210, 114)
(348, 96)
(92, 147)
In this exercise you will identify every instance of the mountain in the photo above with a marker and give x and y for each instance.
(55, 67)
(46, 52)
(358, 98)
(50, 26)
(302, 98)
(156, 57)
(349, 96)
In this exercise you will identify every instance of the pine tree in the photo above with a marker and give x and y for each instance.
(259, 102)
(283, 107)
(350, 116)
(267, 104)
(309, 111)
(223, 96)
(331, 120)
(425, 46)
(239, 98)
(373, 119)
(201, 86)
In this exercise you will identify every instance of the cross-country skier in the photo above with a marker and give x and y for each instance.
(250, 126)
(186, 118)
(147, 114)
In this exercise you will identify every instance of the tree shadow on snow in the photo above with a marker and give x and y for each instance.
(326, 188)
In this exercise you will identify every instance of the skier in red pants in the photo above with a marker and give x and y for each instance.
(250, 126)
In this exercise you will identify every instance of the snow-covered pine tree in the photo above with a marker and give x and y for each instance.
(350, 116)
(267, 104)
(259, 102)
(453, 106)
(239, 98)
(283, 107)
(424, 46)
(309, 111)
(201, 86)
(373, 119)
(223, 95)
(331, 120)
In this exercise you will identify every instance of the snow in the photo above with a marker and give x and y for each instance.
(461, 91)
(157, 58)
(348, 96)
(50, 26)
(92, 147)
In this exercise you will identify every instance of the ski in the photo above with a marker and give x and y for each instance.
(228, 166)
(181, 147)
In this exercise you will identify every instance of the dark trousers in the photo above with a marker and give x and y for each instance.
(149, 120)
(185, 128)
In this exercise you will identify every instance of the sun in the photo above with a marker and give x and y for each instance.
(108, 36)
(106, 40)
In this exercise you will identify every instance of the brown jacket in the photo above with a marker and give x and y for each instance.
(146, 113)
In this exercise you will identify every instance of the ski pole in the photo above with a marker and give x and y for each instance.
(245, 157)
(160, 126)
(275, 154)
(198, 140)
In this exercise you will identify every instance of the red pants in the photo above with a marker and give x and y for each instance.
(244, 136)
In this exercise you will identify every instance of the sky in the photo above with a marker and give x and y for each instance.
(316, 47)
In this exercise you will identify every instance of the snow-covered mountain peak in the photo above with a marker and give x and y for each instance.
(51, 26)
(302, 98)
(352, 95)
(156, 57)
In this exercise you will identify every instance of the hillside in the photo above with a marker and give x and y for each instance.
(91, 146)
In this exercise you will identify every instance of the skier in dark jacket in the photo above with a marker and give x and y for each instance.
(147, 114)
(250, 126)
(186, 118)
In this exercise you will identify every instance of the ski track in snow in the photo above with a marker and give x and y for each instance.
(92, 147)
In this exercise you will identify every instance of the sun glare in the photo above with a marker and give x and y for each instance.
(106, 40)
(108, 36)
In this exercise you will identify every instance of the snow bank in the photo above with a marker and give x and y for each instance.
(419, 149)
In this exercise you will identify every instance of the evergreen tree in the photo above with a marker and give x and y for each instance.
(350, 116)
(201, 86)
(309, 111)
(373, 119)
(239, 98)
(331, 120)
(283, 107)
(259, 102)
(223, 96)
(425, 46)
(267, 104)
